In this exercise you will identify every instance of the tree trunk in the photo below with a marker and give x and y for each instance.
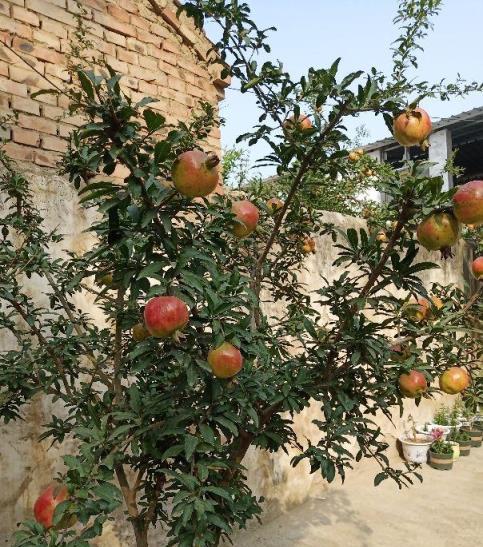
(141, 533)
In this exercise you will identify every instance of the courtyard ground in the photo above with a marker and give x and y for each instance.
(445, 511)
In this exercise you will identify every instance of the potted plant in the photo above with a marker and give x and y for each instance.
(463, 439)
(475, 434)
(415, 445)
(440, 453)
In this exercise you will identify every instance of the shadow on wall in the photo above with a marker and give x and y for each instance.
(300, 524)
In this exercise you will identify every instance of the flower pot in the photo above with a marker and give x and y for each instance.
(475, 434)
(456, 450)
(416, 449)
(478, 424)
(465, 448)
(443, 462)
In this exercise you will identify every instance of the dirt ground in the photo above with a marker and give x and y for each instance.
(445, 511)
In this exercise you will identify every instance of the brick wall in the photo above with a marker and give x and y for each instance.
(159, 55)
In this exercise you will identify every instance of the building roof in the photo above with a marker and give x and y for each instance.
(464, 124)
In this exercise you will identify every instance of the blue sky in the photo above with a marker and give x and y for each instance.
(316, 32)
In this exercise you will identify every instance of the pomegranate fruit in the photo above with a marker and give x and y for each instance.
(246, 218)
(454, 380)
(412, 127)
(416, 310)
(225, 360)
(164, 316)
(438, 232)
(139, 332)
(308, 245)
(477, 267)
(274, 205)
(46, 503)
(302, 123)
(356, 155)
(413, 384)
(105, 279)
(468, 202)
(195, 174)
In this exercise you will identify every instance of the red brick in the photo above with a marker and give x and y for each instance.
(4, 68)
(112, 23)
(169, 58)
(128, 5)
(19, 152)
(106, 48)
(96, 4)
(24, 75)
(15, 27)
(148, 62)
(45, 158)
(136, 45)
(172, 47)
(132, 83)
(65, 130)
(49, 25)
(176, 84)
(53, 143)
(115, 38)
(148, 37)
(127, 56)
(159, 30)
(20, 3)
(150, 89)
(39, 52)
(14, 88)
(118, 66)
(5, 8)
(7, 56)
(47, 8)
(47, 38)
(24, 136)
(141, 73)
(37, 123)
(58, 71)
(47, 98)
(26, 16)
(140, 22)
(52, 112)
(73, 7)
(118, 13)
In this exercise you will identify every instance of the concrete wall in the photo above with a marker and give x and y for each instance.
(271, 475)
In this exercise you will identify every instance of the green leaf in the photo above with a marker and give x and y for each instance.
(154, 120)
(190, 444)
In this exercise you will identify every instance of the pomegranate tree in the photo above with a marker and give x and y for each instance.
(157, 426)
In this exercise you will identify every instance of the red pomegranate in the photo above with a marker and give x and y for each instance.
(246, 215)
(416, 310)
(164, 316)
(195, 174)
(477, 267)
(468, 202)
(412, 127)
(46, 503)
(274, 205)
(438, 232)
(413, 384)
(225, 361)
(454, 380)
(302, 123)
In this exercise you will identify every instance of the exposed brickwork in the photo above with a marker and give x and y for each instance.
(159, 55)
